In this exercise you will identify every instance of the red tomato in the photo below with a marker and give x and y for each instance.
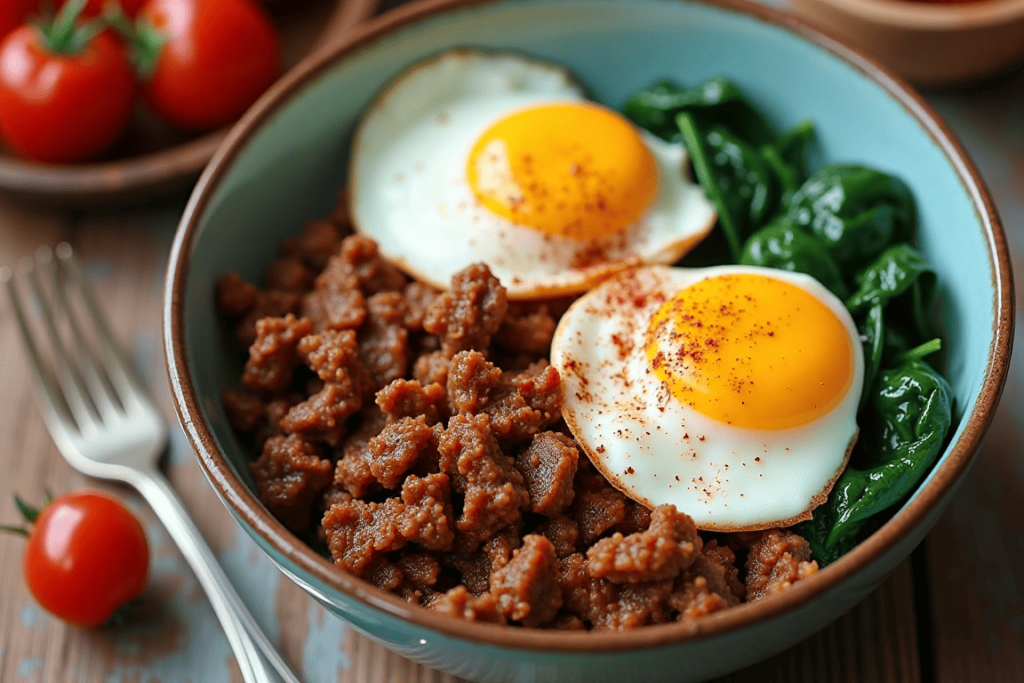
(13, 14)
(217, 57)
(95, 7)
(63, 107)
(86, 556)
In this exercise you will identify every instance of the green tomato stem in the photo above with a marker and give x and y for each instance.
(20, 530)
(146, 42)
(29, 512)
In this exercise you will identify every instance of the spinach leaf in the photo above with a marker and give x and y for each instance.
(872, 335)
(908, 416)
(854, 210)
(786, 247)
(895, 271)
(734, 177)
(785, 158)
(715, 100)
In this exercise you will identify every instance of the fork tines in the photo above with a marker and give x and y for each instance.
(82, 378)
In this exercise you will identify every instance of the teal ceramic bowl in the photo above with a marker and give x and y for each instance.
(285, 161)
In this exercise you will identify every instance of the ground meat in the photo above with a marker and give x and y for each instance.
(468, 314)
(562, 532)
(617, 608)
(419, 569)
(272, 303)
(702, 589)
(527, 328)
(565, 621)
(290, 474)
(358, 532)
(725, 559)
(289, 274)
(383, 339)
(322, 417)
(548, 466)
(353, 472)
(520, 405)
(492, 488)
(458, 602)
(234, 296)
(597, 511)
(334, 304)
(527, 587)
(776, 561)
(359, 257)
(334, 356)
(318, 241)
(666, 548)
(384, 575)
(273, 357)
(408, 398)
(394, 451)
(637, 519)
(418, 298)
(431, 368)
(246, 410)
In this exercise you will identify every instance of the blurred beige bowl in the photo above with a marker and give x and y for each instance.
(928, 43)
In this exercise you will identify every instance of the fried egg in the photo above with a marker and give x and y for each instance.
(491, 157)
(730, 392)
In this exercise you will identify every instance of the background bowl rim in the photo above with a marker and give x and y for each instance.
(931, 16)
(247, 508)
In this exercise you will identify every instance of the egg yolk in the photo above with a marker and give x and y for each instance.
(573, 170)
(751, 351)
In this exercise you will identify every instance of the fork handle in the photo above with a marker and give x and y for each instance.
(238, 623)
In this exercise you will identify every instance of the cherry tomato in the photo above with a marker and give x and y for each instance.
(215, 58)
(59, 104)
(13, 14)
(86, 556)
(94, 8)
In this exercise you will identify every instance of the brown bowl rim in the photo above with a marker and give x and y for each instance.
(154, 172)
(930, 16)
(247, 507)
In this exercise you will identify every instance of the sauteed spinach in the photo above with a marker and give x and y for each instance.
(850, 227)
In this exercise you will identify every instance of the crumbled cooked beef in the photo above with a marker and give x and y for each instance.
(335, 304)
(360, 257)
(384, 575)
(458, 602)
(726, 561)
(597, 511)
(431, 368)
(334, 356)
(397, 448)
(322, 416)
(667, 547)
(290, 474)
(316, 244)
(548, 466)
(776, 561)
(273, 357)
(468, 314)
(520, 405)
(527, 586)
(617, 608)
(290, 274)
(383, 339)
(353, 470)
(246, 410)
(527, 328)
(359, 532)
(492, 489)
(637, 519)
(703, 588)
(419, 569)
(271, 303)
(234, 296)
(562, 532)
(418, 297)
(409, 398)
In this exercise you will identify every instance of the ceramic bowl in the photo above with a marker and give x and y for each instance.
(285, 161)
(931, 44)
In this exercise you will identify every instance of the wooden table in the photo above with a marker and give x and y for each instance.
(954, 612)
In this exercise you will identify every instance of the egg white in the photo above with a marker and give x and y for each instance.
(409, 190)
(657, 450)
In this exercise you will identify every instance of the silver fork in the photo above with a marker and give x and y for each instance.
(107, 427)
